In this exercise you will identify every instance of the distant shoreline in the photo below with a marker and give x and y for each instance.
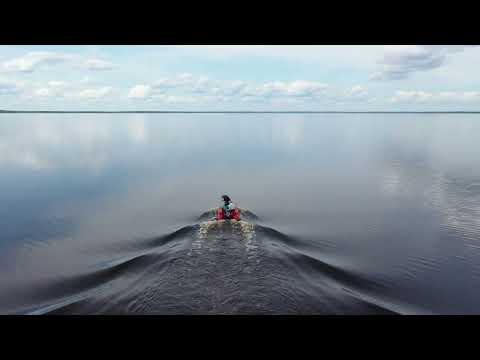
(236, 112)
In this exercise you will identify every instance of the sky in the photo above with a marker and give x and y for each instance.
(240, 78)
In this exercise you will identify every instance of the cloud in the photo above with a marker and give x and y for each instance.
(304, 88)
(400, 61)
(411, 96)
(439, 97)
(33, 60)
(139, 92)
(357, 92)
(177, 99)
(43, 92)
(8, 88)
(71, 90)
(183, 86)
(98, 64)
(299, 88)
(198, 84)
(464, 96)
(94, 93)
(234, 87)
(56, 84)
(190, 88)
(53, 88)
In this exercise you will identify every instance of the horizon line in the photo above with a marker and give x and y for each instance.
(238, 112)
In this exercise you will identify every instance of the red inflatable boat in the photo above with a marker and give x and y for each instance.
(234, 215)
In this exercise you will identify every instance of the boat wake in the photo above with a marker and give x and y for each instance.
(214, 267)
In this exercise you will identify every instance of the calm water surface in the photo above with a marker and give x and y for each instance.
(344, 213)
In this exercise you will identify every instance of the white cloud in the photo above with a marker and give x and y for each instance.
(187, 88)
(199, 84)
(182, 86)
(175, 99)
(299, 88)
(56, 84)
(94, 93)
(32, 60)
(399, 61)
(430, 68)
(72, 90)
(356, 95)
(234, 87)
(412, 96)
(305, 88)
(43, 92)
(98, 64)
(464, 96)
(440, 97)
(8, 88)
(190, 88)
(357, 91)
(139, 92)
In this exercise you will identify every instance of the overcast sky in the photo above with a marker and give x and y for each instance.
(364, 78)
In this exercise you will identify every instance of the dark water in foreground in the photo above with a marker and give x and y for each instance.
(345, 214)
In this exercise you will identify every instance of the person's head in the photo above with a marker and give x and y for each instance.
(226, 198)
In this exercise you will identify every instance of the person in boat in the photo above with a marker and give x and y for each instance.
(228, 210)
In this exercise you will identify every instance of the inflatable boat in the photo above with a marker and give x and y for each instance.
(234, 215)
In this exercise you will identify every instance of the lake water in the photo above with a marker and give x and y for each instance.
(343, 213)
